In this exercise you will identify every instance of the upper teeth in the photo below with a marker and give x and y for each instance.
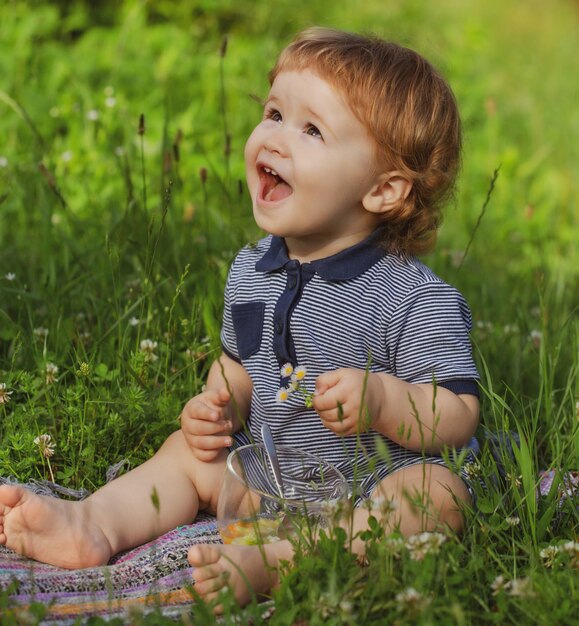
(268, 170)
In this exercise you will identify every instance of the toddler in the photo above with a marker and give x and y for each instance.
(358, 147)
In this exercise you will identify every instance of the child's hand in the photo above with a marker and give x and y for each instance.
(205, 425)
(339, 403)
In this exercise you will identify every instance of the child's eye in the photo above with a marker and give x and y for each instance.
(313, 131)
(273, 114)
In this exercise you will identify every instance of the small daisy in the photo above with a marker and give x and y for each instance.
(282, 394)
(299, 373)
(10, 276)
(286, 370)
(4, 394)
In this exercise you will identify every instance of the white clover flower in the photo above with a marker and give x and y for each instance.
(410, 600)
(45, 444)
(40, 332)
(423, 544)
(66, 156)
(500, 584)
(4, 394)
(535, 337)
(54, 112)
(513, 520)
(3, 161)
(134, 321)
(110, 102)
(510, 329)
(472, 470)
(577, 410)
(286, 370)
(51, 371)
(149, 346)
(549, 555)
(521, 587)
(385, 506)
(109, 90)
(10, 276)
(119, 151)
(282, 394)
(572, 549)
(393, 545)
(92, 115)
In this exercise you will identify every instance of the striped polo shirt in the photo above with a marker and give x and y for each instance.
(362, 308)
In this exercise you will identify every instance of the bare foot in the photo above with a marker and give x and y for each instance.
(249, 571)
(50, 530)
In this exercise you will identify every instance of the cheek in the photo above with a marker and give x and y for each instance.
(250, 156)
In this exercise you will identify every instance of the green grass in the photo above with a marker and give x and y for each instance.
(110, 237)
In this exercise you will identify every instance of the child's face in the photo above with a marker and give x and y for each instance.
(309, 163)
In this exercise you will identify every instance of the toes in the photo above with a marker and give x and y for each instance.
(203, 554)
(201, 574)
(10, 495)
(211, 586)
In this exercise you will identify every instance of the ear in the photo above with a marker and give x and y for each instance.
(387, 193)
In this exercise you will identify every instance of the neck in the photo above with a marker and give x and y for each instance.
(306, 250)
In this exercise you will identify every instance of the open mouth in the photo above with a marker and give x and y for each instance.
(273, 186)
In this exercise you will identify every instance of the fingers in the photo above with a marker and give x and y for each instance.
(327, 380)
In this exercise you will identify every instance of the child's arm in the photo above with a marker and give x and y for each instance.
(417, 416)
(209, 418)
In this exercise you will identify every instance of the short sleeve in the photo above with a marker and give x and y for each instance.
(428, 336)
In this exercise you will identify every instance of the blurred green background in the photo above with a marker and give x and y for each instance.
(101, 225)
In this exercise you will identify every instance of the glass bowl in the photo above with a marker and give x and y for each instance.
(251, 509)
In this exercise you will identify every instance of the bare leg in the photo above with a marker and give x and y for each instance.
(425, 498)
(118, 516)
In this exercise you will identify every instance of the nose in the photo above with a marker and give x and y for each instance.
(276, 141)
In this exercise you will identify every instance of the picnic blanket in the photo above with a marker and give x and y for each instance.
(152, 577)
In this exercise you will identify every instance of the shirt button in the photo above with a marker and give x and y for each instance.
(278, 327)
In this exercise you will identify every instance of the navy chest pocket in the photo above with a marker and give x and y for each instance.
(247, 320)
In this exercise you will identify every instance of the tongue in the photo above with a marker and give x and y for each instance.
(280, 191)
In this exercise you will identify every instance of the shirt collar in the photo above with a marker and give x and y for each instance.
(344, 265)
